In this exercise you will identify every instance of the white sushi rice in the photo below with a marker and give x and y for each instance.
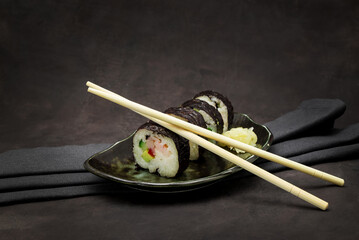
(166, 165)
(220, 106)
(193, 151)
(209, 121)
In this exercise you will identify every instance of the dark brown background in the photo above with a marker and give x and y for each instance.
(266, 56)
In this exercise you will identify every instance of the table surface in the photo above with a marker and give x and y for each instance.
(266, 56)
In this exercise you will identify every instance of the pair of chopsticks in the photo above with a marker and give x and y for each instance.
(190, 131)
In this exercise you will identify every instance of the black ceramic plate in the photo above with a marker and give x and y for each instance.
(117, 164)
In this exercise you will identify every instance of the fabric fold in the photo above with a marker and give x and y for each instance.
(61, 192)
(339, 153)
(47, 160)
(313, 116)
(334, 137)
(48, 181)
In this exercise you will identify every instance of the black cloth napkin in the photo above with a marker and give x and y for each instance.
(305, 134)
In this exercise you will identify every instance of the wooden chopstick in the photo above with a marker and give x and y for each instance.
(227, 155)
(212, 135)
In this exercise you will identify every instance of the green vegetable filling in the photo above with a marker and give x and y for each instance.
(146, 156)
(142, 145)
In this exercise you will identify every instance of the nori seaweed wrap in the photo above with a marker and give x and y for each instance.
(191, 116)
(221, 103)
(210, 114)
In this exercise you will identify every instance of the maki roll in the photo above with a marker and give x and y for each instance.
(191, 116)
(210, 114)
(221, 103)
(159, 150)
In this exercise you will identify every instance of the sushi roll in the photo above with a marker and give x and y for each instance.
(221, 103)
(211, 116)
(191, 116)
(159, 150)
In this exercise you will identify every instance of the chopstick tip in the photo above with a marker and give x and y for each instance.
(325, 206)
(341, 183)
(90, 89)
